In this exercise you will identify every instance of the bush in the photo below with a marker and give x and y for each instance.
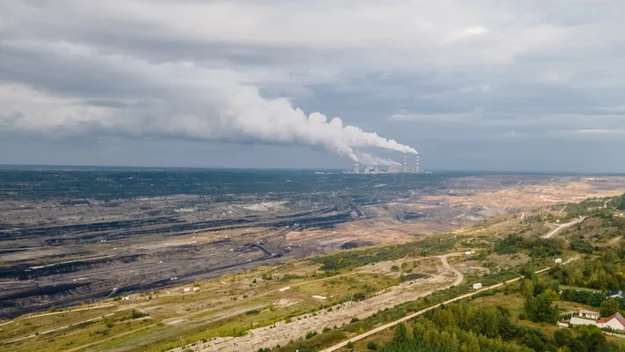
(359, 296)
(135, 314)
(372, 346)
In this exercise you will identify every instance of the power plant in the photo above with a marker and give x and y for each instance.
(391, 168)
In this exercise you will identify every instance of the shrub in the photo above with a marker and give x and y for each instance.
(310, 334)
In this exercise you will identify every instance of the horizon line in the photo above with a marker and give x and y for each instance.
(44, 167)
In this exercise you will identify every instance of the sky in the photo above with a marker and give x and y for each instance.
(471, 85)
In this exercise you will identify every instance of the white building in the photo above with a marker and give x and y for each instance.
(588, 314)
(587, 317)
(477, 286)
(467, 252)
(558, 260)
(615, 294)
(580, 321)
(614, 321)
(187, 289)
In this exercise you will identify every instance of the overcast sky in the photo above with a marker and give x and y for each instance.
(474, 85)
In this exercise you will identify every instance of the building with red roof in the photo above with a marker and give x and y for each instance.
(614, 321)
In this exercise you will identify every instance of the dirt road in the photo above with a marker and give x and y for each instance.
(459, 275)
(563, 226)
(59, 328)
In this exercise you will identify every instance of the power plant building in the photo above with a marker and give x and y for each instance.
(398, 168)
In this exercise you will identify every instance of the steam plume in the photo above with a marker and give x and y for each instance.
(237, 115)
(370, 159)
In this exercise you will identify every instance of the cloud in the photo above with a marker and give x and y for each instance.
(225, 110)
(465, 33)
(424, 73)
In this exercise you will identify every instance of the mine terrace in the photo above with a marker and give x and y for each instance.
(72, 236)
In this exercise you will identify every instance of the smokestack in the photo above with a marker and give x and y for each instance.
(356, 167)
(417, 169)
(405, 164)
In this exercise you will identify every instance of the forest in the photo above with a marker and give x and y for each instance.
(607, 272)
(459, 327)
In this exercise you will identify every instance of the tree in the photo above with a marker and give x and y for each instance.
(609, 307)
(402, 334)
(553, 295)
(540, 308)
(620, 202)
(595, 299)
(443, 317)
(563, 337)
(527, 287)
(471, 344)
(534, 340)
(591, 337)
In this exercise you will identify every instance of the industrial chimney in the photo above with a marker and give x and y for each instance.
(417, 169)
(405, 164)
(356, 167)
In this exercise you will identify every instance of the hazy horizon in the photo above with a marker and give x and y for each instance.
(77, 167)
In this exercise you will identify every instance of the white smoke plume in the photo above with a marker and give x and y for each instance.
(372, 160)
(238, 115)
(247, 117)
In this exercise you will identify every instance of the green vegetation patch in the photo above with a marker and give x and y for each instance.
(536, 247)
(411, 277)
(354, 259)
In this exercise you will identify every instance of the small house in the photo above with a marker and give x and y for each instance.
(614, 321)
(477, 286)
(558, 260)
(467, 252)
(187, 289)
(615, 294)
(196, 289)
(588, 314)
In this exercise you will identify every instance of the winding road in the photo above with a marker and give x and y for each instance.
(563, 226)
